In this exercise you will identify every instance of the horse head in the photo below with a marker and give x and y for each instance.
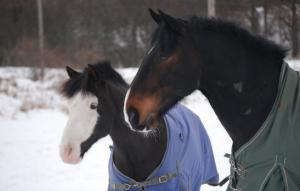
(92, 95)
(166, 75)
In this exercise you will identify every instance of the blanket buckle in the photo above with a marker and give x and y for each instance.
(162, 179)
(127, 186)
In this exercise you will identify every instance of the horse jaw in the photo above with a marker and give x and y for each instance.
(80, 126)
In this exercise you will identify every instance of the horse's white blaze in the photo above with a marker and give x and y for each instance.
(124, 110)
(80, 126)
(144, 131)
(150, 50)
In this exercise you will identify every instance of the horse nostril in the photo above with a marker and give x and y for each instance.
(149, 120)
(133, 116)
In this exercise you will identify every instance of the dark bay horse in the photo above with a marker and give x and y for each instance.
(238, 72)
(139, 160)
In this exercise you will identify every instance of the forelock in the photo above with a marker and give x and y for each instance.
(85, 83)
(77, 84)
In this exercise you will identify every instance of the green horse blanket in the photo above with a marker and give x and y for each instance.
(270, 161)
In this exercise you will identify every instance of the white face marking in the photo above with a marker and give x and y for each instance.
(238, 87)
(146, 131)
(80, 126)
(150, 50)
(126, 118)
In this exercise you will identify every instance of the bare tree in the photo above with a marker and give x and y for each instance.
(78, 32)
(41, 38)
(211, 10)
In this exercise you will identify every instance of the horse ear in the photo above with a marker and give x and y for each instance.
(155, 16)
(92, 72)
(177, 25)
(71, 73)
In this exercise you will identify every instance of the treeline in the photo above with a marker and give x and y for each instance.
(78, 32)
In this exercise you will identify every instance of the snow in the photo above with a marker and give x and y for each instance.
(30, 160)
(29, 156)
(19, 92)
(295, 64)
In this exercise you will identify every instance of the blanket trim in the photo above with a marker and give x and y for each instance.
(141, 185)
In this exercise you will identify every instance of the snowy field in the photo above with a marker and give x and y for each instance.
(29, 137)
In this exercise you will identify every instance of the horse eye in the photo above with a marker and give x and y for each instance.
(93, 106)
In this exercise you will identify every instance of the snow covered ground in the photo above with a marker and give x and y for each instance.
(29, 159)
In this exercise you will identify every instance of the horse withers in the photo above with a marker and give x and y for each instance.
(252, 90)
(176, 156)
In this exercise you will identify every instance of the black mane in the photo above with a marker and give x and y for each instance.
(206, 31)
(81, 82)
(237, 34)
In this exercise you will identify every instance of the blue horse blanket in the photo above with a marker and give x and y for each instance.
(188, 154)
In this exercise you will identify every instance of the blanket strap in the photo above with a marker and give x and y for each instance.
(237, 171)
(221, 183)
(141, 185)
(226, 179)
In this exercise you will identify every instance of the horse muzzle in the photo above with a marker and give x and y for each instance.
(138, 124)
(69, 154)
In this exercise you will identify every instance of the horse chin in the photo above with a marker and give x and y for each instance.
(69, 155)
(72, 161)
(147, 128)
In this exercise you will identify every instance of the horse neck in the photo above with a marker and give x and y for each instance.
(135, 154)
(241, 86)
